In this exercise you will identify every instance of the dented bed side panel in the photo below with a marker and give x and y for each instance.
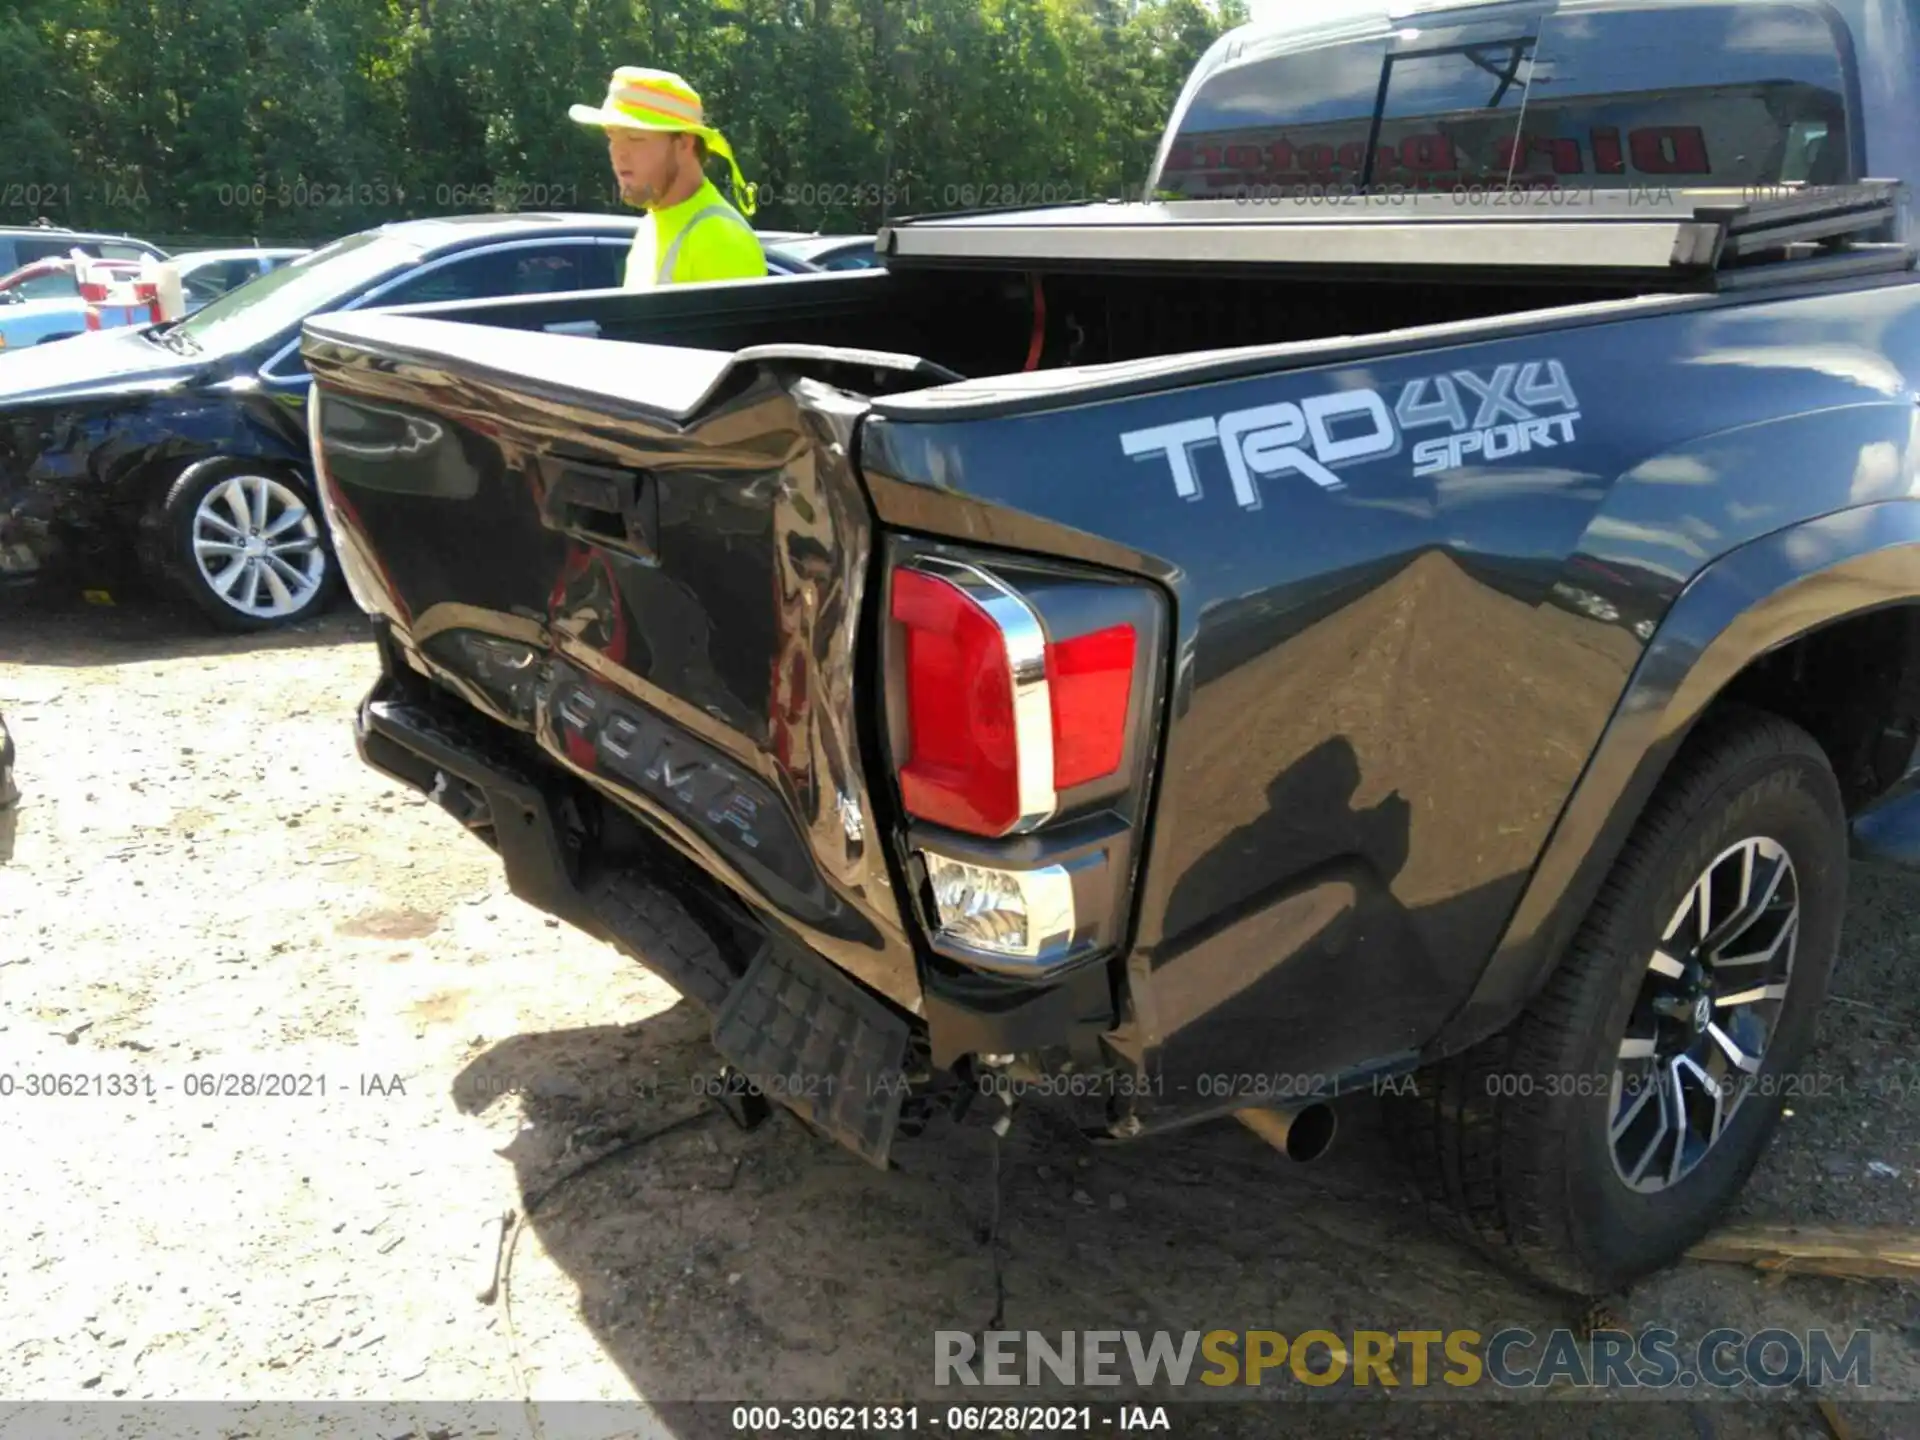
(1410, 589)
(1410, 593)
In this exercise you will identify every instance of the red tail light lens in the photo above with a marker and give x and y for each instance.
(999, 720)
(1091, 681)
(964, 765)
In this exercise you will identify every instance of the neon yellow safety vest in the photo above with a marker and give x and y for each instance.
(702, 238)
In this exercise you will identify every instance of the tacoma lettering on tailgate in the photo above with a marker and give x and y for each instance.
(735, 811)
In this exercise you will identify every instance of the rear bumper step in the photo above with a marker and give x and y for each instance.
(812, 1039)
(803, 1033)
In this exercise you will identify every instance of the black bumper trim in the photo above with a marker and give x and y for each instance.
(803, 1033)
(413, 744)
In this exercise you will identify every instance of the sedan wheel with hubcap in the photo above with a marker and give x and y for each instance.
(244, 542)
(258, 546)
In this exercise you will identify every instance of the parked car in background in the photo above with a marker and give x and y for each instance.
(41, 301)
(831, 252)
(56, 278)
(23, 244)
(178, 451)
(208, 274)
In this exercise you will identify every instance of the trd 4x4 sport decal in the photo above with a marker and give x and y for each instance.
(1510, 411)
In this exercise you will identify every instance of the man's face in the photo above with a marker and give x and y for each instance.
(645, 162)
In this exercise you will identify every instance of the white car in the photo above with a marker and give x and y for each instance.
(830, 252)
(208, 274)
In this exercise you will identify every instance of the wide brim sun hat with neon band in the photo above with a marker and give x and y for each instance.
(640, 99)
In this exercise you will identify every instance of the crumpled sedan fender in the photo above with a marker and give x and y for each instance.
(77, 479)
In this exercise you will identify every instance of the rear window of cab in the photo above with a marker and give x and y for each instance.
(1610, 96)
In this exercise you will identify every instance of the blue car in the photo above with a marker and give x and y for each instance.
(42, 302)
(24, 244)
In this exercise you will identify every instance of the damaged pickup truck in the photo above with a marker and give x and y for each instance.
(1429, 593)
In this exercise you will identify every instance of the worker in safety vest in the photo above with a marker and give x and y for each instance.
(659, 141)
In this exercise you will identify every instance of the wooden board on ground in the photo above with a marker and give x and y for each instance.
(1847, 1251)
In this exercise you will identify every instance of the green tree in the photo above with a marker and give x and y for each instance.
(313, 118)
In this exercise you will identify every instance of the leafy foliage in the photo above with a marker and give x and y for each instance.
(307, 119)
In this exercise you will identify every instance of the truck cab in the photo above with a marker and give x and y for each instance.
(1656, 94)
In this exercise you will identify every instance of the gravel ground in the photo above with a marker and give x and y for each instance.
(204, 882)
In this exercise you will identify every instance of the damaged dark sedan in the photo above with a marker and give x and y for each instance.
(177, 452)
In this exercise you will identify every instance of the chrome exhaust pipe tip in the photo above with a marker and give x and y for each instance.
(1303, 1135)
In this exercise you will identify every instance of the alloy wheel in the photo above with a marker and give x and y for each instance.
(257, 546)
(1708, 1005)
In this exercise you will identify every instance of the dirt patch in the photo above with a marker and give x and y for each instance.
(402, 924)
(324, 1047)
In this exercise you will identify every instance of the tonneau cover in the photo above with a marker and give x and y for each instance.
(1648, 231)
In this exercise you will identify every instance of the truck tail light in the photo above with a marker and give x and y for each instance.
(1091, 682)
(1019, 722)
(964, 769)
(999, 718)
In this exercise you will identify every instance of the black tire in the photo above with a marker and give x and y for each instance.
(1511, 1138)
(168, 546)
(647, 924)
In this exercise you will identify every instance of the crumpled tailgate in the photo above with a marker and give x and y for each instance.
(652, 561)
